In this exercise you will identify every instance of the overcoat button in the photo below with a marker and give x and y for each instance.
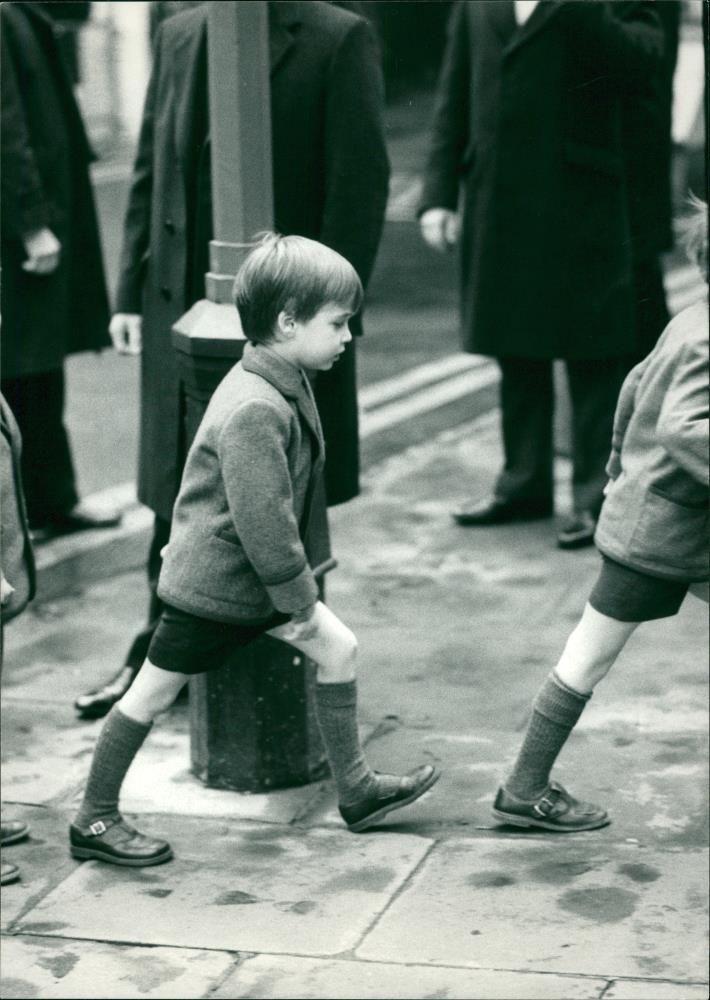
(170, 225)
(166, 294)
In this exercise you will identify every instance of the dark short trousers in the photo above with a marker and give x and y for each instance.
(187, 644)
(630, 596)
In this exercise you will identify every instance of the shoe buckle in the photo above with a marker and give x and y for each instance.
(538, 807)
(98, 828)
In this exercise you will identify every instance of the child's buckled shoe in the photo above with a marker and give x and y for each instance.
(555, 809)
(114, 841)
(371, 810)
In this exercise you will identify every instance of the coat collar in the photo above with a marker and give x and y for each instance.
(291, 381)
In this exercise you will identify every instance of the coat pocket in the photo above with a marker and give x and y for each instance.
(671, 535)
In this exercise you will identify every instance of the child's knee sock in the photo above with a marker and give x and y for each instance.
(337, 718)
(556, 710)
(119, 741)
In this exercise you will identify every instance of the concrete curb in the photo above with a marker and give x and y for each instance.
(72, 562)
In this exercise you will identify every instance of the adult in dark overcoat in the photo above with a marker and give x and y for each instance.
(330, 180)
(54, 299)
(647, 125)
(527, 133)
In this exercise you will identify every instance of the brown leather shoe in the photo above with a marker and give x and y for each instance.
(114, 841)
(371, 810)
(555, 809)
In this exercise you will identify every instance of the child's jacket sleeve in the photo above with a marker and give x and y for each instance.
(253, 454)
(683, 423)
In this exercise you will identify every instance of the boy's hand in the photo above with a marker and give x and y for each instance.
(439, 228)
(303, 624)
(126, 332)
(43, 249)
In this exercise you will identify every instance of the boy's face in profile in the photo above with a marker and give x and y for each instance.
(318, 342)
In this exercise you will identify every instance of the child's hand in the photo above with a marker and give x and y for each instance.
(126, 332)
(303, 624)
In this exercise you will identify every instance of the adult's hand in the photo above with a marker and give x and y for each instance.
(439, 228)
(126, 332)
(43, 249)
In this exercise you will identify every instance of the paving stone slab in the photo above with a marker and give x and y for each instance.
(61, 968)
(43, 859)
(316, 893)
(567, 906)
(284, 977)
(653, 989)
(654, 785)
(45, 754)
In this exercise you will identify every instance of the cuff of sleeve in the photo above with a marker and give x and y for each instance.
(295, 594)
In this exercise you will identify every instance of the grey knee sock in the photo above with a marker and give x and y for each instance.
(337, 718)
(119, 741)
(556, 710)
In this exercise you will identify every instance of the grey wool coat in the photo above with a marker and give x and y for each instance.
(655, 516)
(528, 136)
(237, 549)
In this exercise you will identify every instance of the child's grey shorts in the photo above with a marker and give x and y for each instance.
(630, 596)
(187, 644)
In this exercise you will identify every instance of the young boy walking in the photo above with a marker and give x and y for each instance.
(653, 537)
(235, 567)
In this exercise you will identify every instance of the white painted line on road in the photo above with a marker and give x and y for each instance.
(427, 399)
(385, 391)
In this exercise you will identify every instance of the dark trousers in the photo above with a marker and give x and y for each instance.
(527, 406)
(37, 402)
(139, 647)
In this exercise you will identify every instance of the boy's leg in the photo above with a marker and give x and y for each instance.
(364, 796)
(98, 830)
(527, 798)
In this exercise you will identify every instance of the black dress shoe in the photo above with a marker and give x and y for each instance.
(114, 841)
(371, 810)
(71, 521)
(97, 704)
(493, 511)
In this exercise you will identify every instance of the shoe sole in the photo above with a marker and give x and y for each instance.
(15, 838)
(576, 543)
(89, 854)
(512, 819)
(363, 824)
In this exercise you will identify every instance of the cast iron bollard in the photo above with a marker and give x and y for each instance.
(252, 722)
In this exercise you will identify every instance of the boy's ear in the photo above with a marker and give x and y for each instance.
(285, 325)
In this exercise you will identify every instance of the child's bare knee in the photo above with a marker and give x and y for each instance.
(340, 666)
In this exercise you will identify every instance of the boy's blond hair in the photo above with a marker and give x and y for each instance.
(292, 274)
(695, 234)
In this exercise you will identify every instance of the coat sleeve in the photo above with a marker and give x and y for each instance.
(450, 128)
(356, 161)
(683, 422)
(625, 38)
(136, 226)
(25, 206)
(252, 454)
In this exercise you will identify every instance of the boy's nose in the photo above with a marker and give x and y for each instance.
(347, 337)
